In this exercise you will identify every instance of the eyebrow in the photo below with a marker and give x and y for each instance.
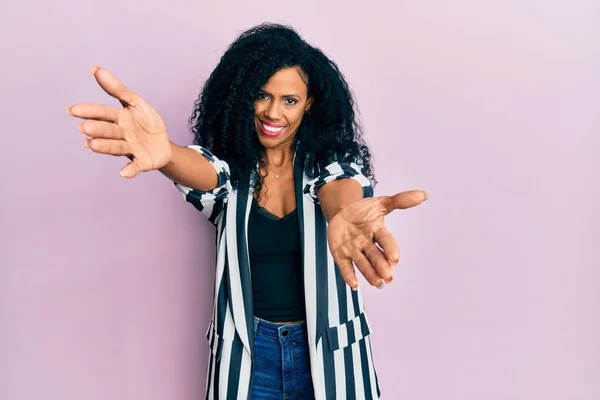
(285, 95)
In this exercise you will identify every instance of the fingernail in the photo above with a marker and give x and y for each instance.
(355, 288)
(80, 128)
(123, 174)
(86, 143)
(94, 69)
(426, 196)
(68, 110)
(381, 285)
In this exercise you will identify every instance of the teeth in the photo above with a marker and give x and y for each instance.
(272, 129)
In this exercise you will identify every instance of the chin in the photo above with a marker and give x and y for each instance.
(269, 142)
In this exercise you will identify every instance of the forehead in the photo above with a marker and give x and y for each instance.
(285, 81)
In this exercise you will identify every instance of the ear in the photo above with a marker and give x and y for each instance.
(308, 104)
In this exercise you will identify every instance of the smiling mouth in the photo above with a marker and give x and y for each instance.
(270, 130)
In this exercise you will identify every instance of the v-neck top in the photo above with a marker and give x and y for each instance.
(275, 253)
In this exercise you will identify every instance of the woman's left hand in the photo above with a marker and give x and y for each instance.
(357, 234)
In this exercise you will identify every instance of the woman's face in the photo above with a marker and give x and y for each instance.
(280, 107)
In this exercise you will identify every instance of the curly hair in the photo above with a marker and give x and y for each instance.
(223, 117)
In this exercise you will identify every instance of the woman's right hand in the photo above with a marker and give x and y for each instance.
(137, 130)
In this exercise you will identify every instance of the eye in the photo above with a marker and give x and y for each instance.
(262, 96)
(291, 102)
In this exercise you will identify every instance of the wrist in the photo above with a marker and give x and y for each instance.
(173, 149)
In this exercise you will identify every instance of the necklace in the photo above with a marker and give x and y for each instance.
(280, 169)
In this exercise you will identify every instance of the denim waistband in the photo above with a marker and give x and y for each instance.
(279, 331)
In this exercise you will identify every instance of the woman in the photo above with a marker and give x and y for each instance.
(278, 165)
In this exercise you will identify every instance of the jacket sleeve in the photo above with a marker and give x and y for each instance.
(209, 203)
(338, 170)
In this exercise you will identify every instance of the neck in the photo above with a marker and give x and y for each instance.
(279, 156)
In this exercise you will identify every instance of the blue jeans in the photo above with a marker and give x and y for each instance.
(281, 361)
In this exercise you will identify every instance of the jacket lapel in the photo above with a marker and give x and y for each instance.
(306, 220)
(298, 187)
(240, 284)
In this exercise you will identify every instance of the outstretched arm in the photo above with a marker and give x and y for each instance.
(335, 195)
(190, 168)
(356, 231)
(138, 132)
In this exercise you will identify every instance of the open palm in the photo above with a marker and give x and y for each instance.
(137, 130)
(357, 234)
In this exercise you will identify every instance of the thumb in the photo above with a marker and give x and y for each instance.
(403, 200)
(114, 87)
(131, 170)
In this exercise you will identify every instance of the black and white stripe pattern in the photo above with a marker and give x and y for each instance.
(338, 329)
(210, 203)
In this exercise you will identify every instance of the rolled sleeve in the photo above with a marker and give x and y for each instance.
(210, 203)
(338, 170)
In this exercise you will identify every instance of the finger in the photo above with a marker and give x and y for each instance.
(131, 170)
(380, 263)
(114, 87)
(365, 266)
(388, 244)
(346, 269)
(97, 112)
(403, 200)
(101, 129)
(108, 146)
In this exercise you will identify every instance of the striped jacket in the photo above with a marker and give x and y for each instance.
(338, 330)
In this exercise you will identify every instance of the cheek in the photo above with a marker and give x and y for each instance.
(297, 118)
(257, 109)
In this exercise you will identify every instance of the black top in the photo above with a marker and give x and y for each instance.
(275, 265)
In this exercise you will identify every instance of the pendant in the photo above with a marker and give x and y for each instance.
(276, 176)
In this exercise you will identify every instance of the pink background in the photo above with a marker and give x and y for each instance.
(491, 106)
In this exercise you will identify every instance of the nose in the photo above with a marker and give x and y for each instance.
(273, 111)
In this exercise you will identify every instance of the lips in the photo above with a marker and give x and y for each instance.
(269, 129)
